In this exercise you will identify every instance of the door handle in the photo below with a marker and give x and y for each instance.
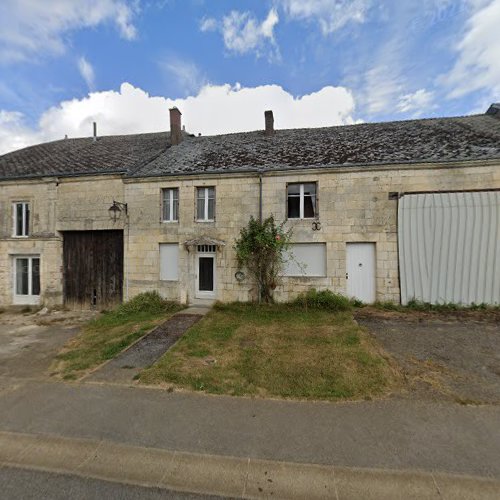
(346, 276)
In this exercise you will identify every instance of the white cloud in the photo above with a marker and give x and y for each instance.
(13, 132)
(242, 32)
(331, 15)
(208, 24)
(417, 103)
(186, 73)
(87, 72)
(215, 109)
(477, 66)
(32, 26)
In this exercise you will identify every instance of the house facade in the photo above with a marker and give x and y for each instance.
(384, 212)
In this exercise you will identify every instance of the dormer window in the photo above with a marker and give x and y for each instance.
(21, 219)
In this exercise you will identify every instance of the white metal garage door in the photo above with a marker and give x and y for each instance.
(449, 248)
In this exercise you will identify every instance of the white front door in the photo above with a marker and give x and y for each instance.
(205, 276)
(361, 271)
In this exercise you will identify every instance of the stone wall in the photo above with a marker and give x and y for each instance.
(354, 206)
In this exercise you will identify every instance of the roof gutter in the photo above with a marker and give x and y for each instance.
(62, 176)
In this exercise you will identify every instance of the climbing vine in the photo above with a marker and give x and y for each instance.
(261, 249)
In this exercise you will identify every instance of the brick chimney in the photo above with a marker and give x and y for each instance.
(175, 127)
(269, 122)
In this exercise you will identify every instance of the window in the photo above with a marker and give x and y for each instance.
(170, 205)
(205, 204)
(27, 276)
(169, 261)
(21, 211)
(302, 201)
(306, 259)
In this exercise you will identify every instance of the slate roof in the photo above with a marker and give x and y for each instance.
(430, 140)
(413, 141)
(118, 153)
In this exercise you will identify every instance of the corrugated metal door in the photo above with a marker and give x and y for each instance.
(361, 271)
(449, 248)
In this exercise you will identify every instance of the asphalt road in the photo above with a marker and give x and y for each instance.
(24, 484)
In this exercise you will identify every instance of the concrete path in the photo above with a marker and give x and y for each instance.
(398, 435)
(124, 367)
(229, 476)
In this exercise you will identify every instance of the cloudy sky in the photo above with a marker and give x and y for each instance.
(123, 63)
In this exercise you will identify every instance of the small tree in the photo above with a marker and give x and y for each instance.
(261, 249)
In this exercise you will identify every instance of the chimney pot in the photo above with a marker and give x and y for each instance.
(95, 131)
(175, 127)
(269, 122)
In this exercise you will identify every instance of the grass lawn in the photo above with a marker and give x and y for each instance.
(106, 336)
(283, 351)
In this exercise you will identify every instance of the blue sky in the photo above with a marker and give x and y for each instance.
(66, 63)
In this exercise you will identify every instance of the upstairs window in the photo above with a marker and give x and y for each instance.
(170, 205)
(301, 201)
(205, 204)
(21, 212)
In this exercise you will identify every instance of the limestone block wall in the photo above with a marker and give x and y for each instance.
(354, 206)
(42, 241)
(236, 199)
(56, 205)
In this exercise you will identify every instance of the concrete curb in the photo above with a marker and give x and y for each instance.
(230, 476)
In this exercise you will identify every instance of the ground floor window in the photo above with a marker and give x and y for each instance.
(27, 278)
(169, 261)
(306, 259)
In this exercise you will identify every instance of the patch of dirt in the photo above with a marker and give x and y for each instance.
(447, 356)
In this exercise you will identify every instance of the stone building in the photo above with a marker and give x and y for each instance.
(381, 211)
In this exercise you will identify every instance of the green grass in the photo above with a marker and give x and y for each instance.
(276, 350)
(416, 305)
(106, 336)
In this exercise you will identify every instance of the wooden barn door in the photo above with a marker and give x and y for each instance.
(93, 268)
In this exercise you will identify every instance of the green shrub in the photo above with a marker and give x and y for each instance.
(148, 302)
(324, 299)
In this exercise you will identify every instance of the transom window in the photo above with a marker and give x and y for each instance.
(301, 201)
(207, 248)
(205, 204)
(170, 205)
(21, 218)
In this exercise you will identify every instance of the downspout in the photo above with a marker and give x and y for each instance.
(260, 220)
(260, 196)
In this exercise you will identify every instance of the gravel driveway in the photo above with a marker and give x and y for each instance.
(442, 356)
(29, 342)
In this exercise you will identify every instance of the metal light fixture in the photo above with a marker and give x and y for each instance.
(116, 209)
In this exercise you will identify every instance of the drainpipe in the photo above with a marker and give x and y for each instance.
(260, 220)
(260, 196)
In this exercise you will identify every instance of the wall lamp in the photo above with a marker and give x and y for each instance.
(116, 209)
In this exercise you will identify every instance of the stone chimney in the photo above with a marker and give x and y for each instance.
(269, 122)
(175, 127)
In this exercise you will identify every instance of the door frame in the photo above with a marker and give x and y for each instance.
(203, 294)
